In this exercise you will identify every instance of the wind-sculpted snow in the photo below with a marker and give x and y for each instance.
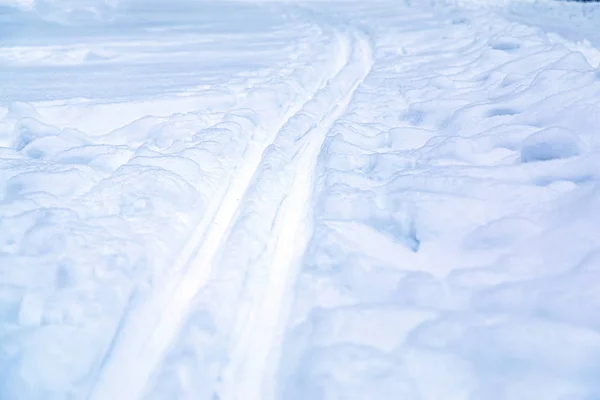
(455, 247)
(339, 200)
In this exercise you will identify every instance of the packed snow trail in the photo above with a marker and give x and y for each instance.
(258, 329)
(343, 200)
(138, 355)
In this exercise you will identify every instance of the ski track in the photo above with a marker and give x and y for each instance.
(420, 228)
(133, 356)
(257, 331)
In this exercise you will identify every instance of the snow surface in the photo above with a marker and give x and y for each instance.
(279, 200)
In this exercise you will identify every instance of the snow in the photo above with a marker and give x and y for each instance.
(320, 200)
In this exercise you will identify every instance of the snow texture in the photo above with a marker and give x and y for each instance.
(320, 200)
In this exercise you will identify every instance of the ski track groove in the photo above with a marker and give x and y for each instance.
(132, 356)
(258, 330)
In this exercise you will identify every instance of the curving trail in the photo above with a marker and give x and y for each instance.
(335, 200)
(258, 329)
(144, 336)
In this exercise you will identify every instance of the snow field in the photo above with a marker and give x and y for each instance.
(339, 200)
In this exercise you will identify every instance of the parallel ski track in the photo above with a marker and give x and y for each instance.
(256, 336)
(148, 329)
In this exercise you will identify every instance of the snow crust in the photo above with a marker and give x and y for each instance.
(339, 200)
